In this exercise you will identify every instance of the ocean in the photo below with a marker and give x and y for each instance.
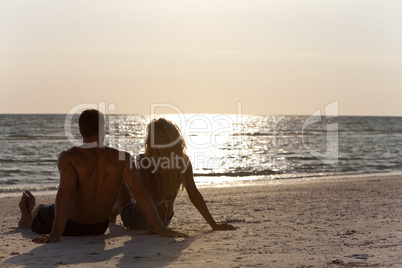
(222, 148)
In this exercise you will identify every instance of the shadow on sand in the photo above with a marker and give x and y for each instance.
(119, 248)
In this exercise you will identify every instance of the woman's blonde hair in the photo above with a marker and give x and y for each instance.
(163, 145)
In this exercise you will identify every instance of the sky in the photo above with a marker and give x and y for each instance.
(274, 57)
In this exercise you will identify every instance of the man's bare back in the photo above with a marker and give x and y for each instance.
(99, 177)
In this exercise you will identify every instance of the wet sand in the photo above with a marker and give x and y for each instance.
(337, 222)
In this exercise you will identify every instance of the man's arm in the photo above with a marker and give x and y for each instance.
(199, 202)
(64, 199)
(133, 181)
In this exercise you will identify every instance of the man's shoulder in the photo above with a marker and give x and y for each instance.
(68, 152)
(108, 152)
(112, 150)
(67, 156)
(116, 151)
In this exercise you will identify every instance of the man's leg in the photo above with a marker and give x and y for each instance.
(28, 209)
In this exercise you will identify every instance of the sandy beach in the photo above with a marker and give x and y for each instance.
(337, 222)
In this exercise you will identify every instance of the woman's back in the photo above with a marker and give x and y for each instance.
(153, 181)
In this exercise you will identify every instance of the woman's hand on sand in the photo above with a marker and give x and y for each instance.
(172, 233)
(46, 239)
(223, 226)
(167, 233)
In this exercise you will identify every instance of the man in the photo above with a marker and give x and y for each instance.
(90, 179)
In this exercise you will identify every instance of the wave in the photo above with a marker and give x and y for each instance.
(317, 133)
(32, 137)
(21, 188)
(253, 134)
(306, 171)
(278, 134)
(22, 161)
(238, 174)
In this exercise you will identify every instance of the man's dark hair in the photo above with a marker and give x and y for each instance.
(90, 121)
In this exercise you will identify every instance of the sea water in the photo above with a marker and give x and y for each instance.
(221, 147)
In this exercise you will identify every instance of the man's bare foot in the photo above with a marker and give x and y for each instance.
(26, 216)
(31, 201)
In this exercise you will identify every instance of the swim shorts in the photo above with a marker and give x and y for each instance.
(42, 224)
(133, 220)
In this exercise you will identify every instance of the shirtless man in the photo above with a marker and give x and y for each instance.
(90, 179)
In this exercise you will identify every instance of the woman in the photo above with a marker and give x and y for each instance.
(163, 168)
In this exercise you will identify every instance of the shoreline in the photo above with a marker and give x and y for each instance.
(213, 182)
(307, 223)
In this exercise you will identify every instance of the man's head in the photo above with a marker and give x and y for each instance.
(91, 123)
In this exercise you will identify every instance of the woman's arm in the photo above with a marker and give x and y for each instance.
(199, 202)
